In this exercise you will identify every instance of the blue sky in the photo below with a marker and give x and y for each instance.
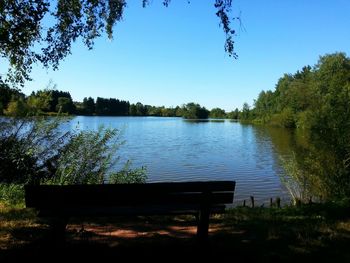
(170, 56)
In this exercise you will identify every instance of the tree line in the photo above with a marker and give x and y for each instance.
(315, 103)
(315, 97)
(52, 101)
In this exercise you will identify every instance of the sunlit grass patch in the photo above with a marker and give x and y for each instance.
(18, 226)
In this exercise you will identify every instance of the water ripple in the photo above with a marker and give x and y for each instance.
(174, 150)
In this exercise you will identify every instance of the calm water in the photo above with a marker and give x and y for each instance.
(176, 150)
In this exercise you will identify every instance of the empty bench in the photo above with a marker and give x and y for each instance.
(197, 198)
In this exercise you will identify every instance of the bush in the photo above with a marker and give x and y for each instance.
(128, 175)
(284, 119)
(29, 147)
(88, 158)
(12, 194)
(36, 150)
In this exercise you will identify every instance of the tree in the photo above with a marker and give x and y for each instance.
(55, 95)
(194, 111)
(315, 101)
(132, 110)
(17, 108)
(40, 101)
(234, 115)
(65, 105)
(331, 119)
(217, 113)
(25, 40)
(141, 110)
(100, 107)
(6, 94)
(89, 106)
(245, 111)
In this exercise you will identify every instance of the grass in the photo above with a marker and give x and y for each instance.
(317, 232)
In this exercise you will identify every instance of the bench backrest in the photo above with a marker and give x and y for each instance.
(199, 193)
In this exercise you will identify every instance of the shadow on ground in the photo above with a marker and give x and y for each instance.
(245, 235)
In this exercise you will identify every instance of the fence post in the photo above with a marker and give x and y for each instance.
(252, 201)
(278, 202)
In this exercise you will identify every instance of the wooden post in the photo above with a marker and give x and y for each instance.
(252, 201)
(203, 224)
(278, 202)
(271, 203)
(243, 203)
(58, 229)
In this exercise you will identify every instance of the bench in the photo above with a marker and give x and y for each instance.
(195, 198)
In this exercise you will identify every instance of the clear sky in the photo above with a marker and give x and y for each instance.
(170, 56)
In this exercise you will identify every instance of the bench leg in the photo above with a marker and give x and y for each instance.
(58, 228)
(203, 225)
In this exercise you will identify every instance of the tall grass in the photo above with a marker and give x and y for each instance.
(12, 195)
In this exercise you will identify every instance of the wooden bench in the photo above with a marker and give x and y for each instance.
(197, 198)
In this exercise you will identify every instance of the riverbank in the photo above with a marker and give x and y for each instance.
(312, 232)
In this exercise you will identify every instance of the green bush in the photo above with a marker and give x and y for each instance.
(29, 149)
(128, 175)
(12, 194)
(89, 157)
(35, 151)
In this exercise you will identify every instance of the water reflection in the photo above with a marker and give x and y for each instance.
(203, 120)
(312, 170)
(176, 150)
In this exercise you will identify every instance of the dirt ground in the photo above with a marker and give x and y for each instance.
(243, 235)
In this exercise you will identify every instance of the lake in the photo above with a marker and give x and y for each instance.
(173, 149)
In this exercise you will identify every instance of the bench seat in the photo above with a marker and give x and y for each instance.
(185, 198)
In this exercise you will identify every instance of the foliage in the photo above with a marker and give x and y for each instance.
(17, 108)
(111, 107)
(300, 182)
(285, 118)
(7, 94)
(25, 39)
(29, 147)
(217, 113)
(87, 158)
(39, 102)
(64, 105)
(317, 101)
(42, 102)
(194, 111)
(234, 115)
(128, 175)
(35, 150)
(49, 101)
(11, 194)
(246, 113)
(88, 106)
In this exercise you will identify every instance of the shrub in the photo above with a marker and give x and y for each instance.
(36, 150)
(12, 194)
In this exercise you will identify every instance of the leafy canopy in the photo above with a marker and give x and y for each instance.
(25, 39)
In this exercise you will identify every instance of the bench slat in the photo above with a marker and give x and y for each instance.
(62, 202)
(50, 196)
(125, 210)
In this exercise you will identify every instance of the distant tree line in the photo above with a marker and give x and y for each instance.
(52, 101)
